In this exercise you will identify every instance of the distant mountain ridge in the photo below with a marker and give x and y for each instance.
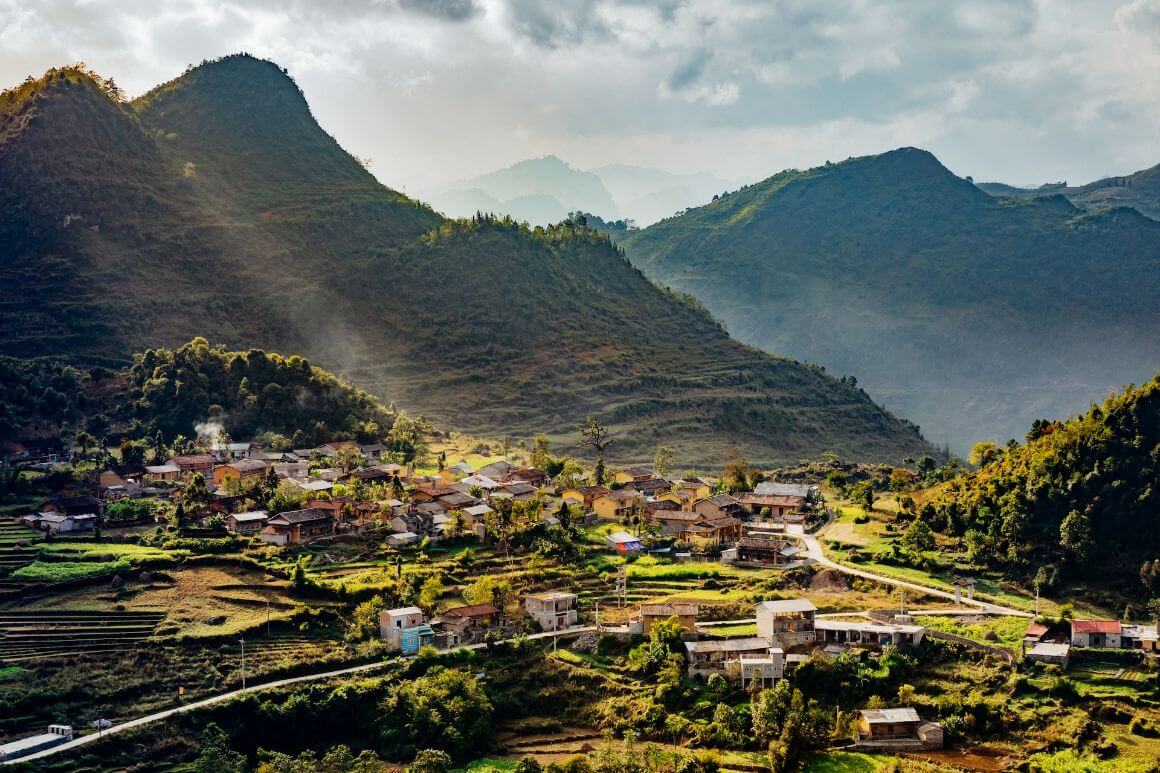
(971, 314)
(1139, 190)
(215, 206)
(545, 190)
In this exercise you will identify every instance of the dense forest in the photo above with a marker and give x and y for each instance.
(172, 391)
(195, 389)
(215, 205)
(1079, 498)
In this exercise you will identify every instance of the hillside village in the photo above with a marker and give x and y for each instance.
(482, 544)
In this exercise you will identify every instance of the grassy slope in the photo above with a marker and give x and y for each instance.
(970, 314)
(1139, 190)
(233, 216)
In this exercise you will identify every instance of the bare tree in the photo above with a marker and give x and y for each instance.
(598, 438)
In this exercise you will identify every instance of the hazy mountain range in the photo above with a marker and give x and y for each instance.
(214, 205)
(545, 190)
(968, 313)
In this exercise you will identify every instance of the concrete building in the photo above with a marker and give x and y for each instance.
(765, 669)
(867, 632)
(552, 610)
(897, 729)
(787, 623)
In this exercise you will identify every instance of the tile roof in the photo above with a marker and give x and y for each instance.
(1096, 626)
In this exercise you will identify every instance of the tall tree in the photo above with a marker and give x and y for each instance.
(664, 460)
(595, 436)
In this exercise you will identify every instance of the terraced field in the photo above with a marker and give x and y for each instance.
(33, 635)
(12, 555)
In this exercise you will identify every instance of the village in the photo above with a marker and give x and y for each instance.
(351, 511)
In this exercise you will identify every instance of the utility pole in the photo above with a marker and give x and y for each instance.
(267, 618)
(243, 643)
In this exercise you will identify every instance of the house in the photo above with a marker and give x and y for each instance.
(631, 475)
(686, 615)
(863, 632)
(298, 526)
(617, 505)
(708, 657)
(335, 508)
(623, 543)
(531, 475)
(431, 493)
(672, 521)
(22, 747)
(241, 469)
(247, 523)
(477, 481)
(788, 622)
(1057, 653)
(778, 505)
(1096, 633)
(58, 523)
(552, 610)
(719, 506)
(372, 451)
(765, 669)
(496, 469)
(157, 472)
(405, 628)
(464, 625)
(457, 500)
(334, 447)
(223, 451)
(190, 464)
(519, 490)
(110, 479)
(583, 495)
(685, 493)
(786, 489)
(311, 486)
(710, 533)
(1140, 637)
(402, 539)
(76, 505)
(766, 549)
(899, 729)
(650, 487)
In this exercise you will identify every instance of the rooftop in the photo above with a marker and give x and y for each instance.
(1096, 626)
(890, 716)
(789, 605)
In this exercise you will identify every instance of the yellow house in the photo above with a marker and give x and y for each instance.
(615, 505)
(242, 468)
(631, 475)
(687, 494)
(585, 495)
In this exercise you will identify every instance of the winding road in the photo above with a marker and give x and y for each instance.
(84, 740)
(814, 547)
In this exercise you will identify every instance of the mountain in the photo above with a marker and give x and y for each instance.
(215, 206)
(647, 195)
(540, 190)
(1140, 191)
(970, 314)
(1081, 497)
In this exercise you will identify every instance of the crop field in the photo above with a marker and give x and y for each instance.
(34, 634)
(13, 552)
(206, 600)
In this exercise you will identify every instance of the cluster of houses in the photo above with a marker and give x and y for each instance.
(1047, 643)
(746, 528)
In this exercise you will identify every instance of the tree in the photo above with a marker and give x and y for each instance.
(85, 442)
(737, 473)
(430, 592)
(918, 536)
(445, 708)
(862, 493)
(364, 622)
(1075, 536)
(431, 761)
(216, 755)
(348, 458)
(664, 460)
(926, 466)
(541, 451)
(905, 694)
(983, 453)
(595, 436)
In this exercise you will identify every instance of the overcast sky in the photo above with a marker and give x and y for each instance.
(438, 90)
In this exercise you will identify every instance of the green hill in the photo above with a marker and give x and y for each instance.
(1082, 495)
(215, 206)
(971, 315)
(1139, 190)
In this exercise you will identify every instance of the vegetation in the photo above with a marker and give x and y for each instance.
(1078, 498)
(297, 248)
(942, 300)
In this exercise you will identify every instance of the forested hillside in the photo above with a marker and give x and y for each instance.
(1080, 498)
(215, 206)
(969, 314)
(1139, 190)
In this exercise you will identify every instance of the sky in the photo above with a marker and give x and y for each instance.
(434, 91)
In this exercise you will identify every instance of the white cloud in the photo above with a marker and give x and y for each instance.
(436, 90)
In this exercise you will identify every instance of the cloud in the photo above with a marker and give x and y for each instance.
(437, 90)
